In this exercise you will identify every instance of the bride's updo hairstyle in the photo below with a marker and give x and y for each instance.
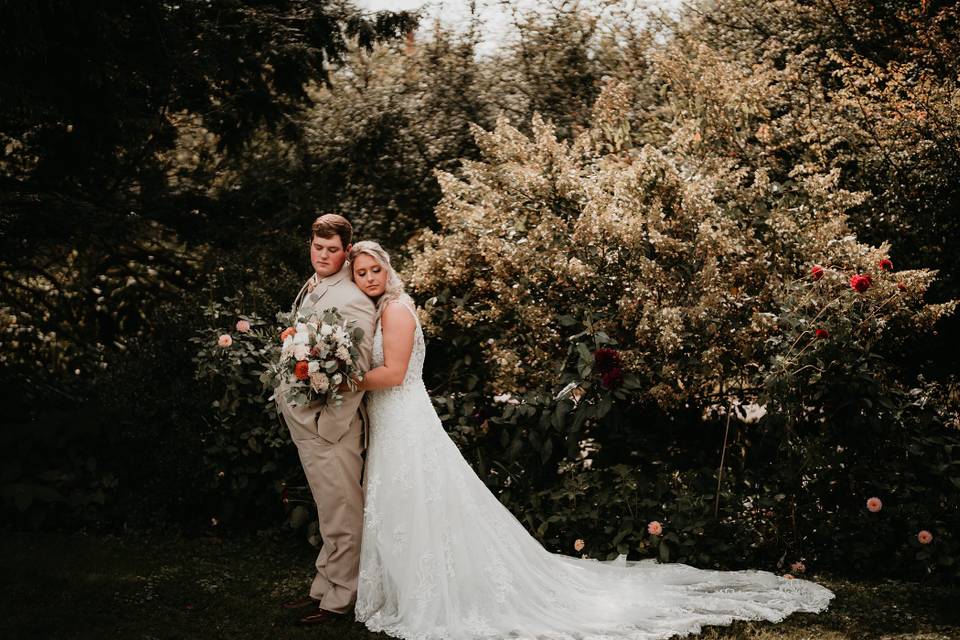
(394, 288)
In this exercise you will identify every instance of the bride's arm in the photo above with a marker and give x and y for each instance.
(398, 327)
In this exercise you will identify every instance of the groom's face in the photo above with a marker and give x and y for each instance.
(327, 255)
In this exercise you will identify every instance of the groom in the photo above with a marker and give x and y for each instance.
(329, 439)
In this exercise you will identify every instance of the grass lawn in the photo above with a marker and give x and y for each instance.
(74, 586)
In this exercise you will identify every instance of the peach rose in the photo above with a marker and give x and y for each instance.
(579, 544)
(798, 567)
(654, 528)
(289, 331)
(925, 537)
(225, 340)
(874, 505)
(243, 326)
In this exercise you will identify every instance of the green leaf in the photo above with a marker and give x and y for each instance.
(585, 355)
(664, 551)
(546, 450)
(298, 516)
(604, 406)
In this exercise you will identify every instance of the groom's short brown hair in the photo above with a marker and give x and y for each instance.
(332, 224)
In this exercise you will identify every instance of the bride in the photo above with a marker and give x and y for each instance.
(441, 557)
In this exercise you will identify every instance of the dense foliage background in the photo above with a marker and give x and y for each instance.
(634, 240)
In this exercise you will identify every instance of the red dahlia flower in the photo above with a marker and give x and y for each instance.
(613, 378)
(606, 359)
(860, 283)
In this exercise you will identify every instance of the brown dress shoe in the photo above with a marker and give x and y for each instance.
(322, 616)
(300, 604)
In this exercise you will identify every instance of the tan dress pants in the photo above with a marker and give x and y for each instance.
(333, 470)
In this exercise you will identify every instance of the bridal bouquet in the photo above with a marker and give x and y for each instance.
(318, 354)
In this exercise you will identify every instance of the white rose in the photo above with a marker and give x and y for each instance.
(313, 366)
(301, 351)
(337, 378)
(326, 329)
(301, 337)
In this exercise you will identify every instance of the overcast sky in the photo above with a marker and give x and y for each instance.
(495, 18)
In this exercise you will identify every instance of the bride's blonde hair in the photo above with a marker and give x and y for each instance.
(394, 289)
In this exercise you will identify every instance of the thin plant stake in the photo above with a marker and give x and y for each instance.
(723, 451)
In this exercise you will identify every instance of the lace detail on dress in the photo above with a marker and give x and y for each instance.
(442, 558)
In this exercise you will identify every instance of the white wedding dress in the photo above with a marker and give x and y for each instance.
(442, 558)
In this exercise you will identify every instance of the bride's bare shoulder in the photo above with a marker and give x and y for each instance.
(398, 315)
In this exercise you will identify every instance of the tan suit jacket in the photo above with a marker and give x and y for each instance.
(330, 445)
(332, 423)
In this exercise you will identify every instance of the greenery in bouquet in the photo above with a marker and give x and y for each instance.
(318, 355)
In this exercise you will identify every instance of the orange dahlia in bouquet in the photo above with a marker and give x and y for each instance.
(318, 354)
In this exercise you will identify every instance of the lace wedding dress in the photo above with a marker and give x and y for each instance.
(442, 558)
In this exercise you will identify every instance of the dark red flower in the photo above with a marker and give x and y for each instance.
(860, 283)
(886, 265)
(822, 333)
(284, 496)
(301, 370)
(901, 286)
(613, 378)
(606, 359)
(816, 272)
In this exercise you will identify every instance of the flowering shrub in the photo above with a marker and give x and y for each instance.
(248, 453)
(631, 297)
